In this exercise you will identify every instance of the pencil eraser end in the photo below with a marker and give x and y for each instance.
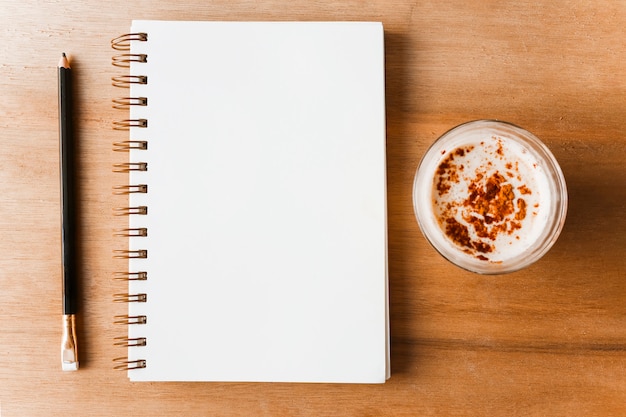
(69, 354)
(70, 366)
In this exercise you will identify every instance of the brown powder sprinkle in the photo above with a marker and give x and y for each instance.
(458, 233)
(493, 206)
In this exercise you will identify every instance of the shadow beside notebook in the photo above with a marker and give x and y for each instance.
(402, 229)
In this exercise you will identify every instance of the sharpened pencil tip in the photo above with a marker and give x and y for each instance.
(63, 62)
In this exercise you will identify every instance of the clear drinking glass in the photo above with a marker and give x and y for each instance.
(490, 197)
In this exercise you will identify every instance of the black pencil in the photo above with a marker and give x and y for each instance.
(69, 356)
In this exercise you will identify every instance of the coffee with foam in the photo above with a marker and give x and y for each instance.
(490, 197)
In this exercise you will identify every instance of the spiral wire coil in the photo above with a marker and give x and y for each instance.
(124, 60)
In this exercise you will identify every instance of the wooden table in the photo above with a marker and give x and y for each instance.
(549, 340)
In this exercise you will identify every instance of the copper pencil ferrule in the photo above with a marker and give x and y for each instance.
(69, 352)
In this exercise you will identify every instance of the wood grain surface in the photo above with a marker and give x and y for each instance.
(546, 341)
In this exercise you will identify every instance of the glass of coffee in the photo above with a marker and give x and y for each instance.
(490, 197)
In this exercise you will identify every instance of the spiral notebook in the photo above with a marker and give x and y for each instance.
(256, 181)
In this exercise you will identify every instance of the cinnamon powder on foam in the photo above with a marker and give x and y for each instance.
(495, 205)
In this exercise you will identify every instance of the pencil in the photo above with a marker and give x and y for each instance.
(69, 353)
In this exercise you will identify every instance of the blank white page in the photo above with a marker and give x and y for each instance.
(266, 202)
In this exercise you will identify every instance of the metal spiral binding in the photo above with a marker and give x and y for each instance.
(130, 254)
(130, 166)
(124, 364)
(130, 276)
(130, 298)
(122, 43)
(126, 102)
(128, 123)
(127, 211)
(124, 60)
(124, 81)
(128, 320)
(128, 145)
(131, 189)
(130, 341)
(134, 232)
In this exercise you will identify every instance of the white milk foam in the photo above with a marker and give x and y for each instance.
(477, 188)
